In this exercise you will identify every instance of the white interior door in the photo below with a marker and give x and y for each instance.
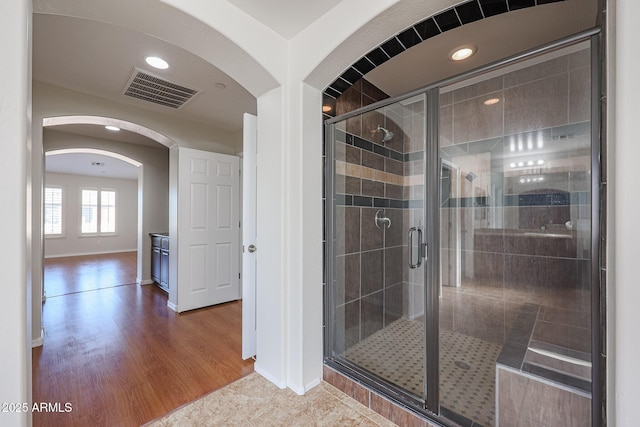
(208, 225)
(249, 183)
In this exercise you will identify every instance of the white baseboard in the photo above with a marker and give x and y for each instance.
(300, 391)
(271, 378)
(172, 306)
(144, 282)
(316, 382)
(37, 342)
(90, 253)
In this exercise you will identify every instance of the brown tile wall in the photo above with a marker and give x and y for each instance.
(525, 401)
(374, 401)
(501, 266)
(369, 274)
(369, 284)
(549, 94)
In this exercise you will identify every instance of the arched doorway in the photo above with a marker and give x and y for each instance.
(133, 144)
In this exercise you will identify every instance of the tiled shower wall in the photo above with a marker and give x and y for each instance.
(498, 261)
(374, 286)
(368, 258)
(359, 310)
(550, 100)
(552, 96)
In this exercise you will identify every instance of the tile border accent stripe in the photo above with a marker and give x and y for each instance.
(454, 17)
(358, 142)
(364, 172)
(363, 144)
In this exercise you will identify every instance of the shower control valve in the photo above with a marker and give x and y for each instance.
(382, 221)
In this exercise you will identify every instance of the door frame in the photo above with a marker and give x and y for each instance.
(248, 187)
(431, 268)
(432, 167)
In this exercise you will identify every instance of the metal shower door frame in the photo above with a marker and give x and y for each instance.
(432, 165)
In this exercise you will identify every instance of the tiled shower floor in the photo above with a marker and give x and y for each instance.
(467, 366)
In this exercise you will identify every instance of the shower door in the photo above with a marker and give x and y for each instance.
(516, 225)
(377, 161)
(463, 241)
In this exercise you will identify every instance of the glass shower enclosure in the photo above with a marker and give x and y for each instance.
(462, 243)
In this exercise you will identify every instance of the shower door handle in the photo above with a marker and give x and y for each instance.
(421, 247)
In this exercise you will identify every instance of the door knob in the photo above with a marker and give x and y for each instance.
(252, 249)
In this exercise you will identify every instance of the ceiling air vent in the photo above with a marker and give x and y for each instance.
(146, 86)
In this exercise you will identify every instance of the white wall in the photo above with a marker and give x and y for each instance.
(15, 326)
(271, 265)
(624, 204)
(72, 242)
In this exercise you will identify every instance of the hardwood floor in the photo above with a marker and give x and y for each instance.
(67, 275)
(120, 357)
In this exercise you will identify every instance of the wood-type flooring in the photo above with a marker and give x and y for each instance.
(67, 275)
(118, 356)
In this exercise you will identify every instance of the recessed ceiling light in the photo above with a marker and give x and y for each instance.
(112, 128)
(220, 85)
(491, 101)
(463, 52)
(157, 62)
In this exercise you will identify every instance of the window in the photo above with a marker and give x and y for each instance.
(107, 211)
(89, 211)
(98, 211)
(53, 211)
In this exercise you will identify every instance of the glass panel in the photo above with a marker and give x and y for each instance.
(107, 211)
(379, 298)
(89, 211)
(515, 243)
(52, 211)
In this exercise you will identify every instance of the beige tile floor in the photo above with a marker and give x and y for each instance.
(253, 401)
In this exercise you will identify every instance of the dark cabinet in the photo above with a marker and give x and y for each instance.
(160, 260)
(164, 270)
(155, 264)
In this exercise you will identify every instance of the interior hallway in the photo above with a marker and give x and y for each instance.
(118, 355)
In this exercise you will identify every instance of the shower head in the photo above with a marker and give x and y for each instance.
(387, 134)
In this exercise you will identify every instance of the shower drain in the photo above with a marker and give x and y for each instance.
(462, 365)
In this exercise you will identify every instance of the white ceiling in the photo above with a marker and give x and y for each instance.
(95, 131)
(286, 17)
(84, 164)
(98, 59)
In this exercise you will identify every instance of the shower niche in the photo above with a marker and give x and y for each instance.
(460, 249)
